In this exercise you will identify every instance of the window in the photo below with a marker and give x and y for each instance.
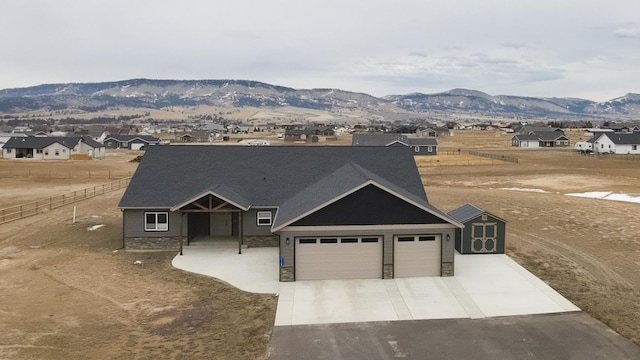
(64, 150)
(406, 238)
(307, 241)
(484, 217)
(57, 152)
(264, 217)
(156, 221)
(348, 240)
(370, 240)
(426, 238)
(46, 152)
(634, 147)
(38, 151)
(328, 241)
(417, 148)
(430, 149)
(9, 151)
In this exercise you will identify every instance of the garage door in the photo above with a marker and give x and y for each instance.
(338, 258)
(416, 255)
(136, 146)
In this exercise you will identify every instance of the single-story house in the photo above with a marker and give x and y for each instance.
(193, 136)
(420, 146)
(483, 232)
(541, 139)
(616, 143)
(52, 148)
(334, 212)
(133, 142)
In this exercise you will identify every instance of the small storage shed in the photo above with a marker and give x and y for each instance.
(483, 232)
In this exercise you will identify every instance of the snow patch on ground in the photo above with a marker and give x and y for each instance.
(95, 227)
(523, 189)
(608, 195)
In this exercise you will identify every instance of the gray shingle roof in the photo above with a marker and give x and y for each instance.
(41, 142)
(265, 176)
(467, 212)
(381, 139)
(624, 139)
(384, 139)
(127, 138)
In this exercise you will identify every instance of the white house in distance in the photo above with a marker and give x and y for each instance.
(616, 143)
(52, 148)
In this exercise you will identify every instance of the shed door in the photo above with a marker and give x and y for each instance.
(483, 237)
(416, 255)
(338, 258)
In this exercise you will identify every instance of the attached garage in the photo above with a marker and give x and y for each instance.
(137, 146)
(417, 255)
(353, 257)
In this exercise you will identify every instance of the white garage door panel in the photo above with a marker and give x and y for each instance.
(338, 260)
(136, 146)
(417, 258)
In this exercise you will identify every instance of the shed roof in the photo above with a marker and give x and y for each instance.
(468, 211)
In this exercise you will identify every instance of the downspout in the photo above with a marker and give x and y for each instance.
(241, 233)
(181, 230)
(123, 227)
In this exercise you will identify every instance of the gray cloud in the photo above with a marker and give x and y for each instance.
(362, 45)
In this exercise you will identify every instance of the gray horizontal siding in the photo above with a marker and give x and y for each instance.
(134, 224)
(250, 222)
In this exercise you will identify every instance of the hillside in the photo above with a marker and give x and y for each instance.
(157, 94)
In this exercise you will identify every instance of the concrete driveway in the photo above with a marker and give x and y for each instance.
(484, 286)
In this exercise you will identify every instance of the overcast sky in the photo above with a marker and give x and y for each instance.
(569, 48)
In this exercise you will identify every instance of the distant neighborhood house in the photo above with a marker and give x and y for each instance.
(615, 143)
(131, 142)
(52, 148)
(540, 137)
(420, 146)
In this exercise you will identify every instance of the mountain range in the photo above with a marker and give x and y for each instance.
(154, 94)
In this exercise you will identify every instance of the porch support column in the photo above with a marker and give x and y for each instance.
(181, 232)
(240, 232)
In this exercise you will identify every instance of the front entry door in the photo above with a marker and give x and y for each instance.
(221, 224)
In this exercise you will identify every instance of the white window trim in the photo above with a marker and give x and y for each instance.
(263, 215)
(156, 226)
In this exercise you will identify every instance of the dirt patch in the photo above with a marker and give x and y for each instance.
(68, 292)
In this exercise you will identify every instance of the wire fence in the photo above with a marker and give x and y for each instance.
(22, 211)
(507, 158)
(61, 174)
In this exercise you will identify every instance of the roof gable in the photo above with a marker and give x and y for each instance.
(343, 182)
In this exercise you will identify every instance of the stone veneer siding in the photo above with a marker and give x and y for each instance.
(387, 271)
(156, 243)
(287, 273)
(261, 240)
(447, 269)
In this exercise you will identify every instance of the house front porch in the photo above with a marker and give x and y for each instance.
(255, 270)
